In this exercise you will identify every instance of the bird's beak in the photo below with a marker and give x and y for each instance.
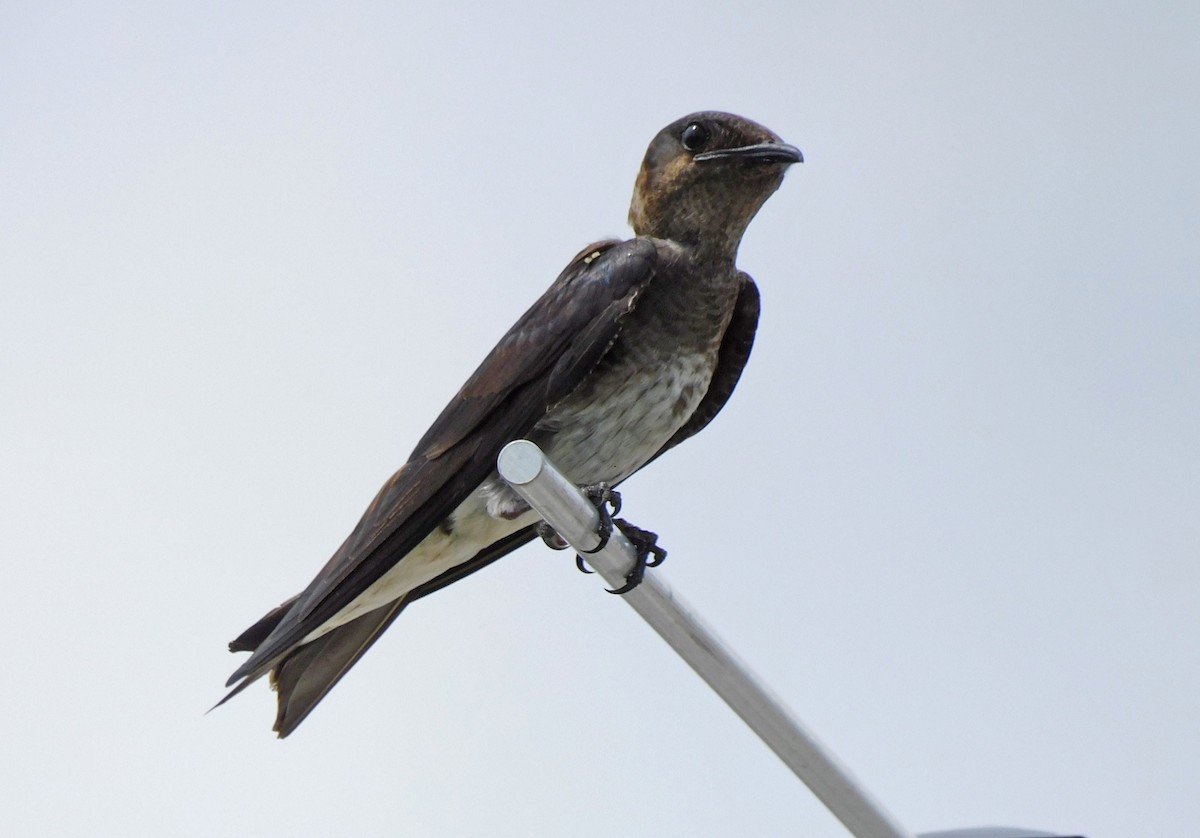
(760, 153)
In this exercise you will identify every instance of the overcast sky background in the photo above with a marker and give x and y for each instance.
(952, 514)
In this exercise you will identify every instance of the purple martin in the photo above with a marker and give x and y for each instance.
(634, 348)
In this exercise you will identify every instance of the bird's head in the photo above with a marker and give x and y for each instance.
(705, 176)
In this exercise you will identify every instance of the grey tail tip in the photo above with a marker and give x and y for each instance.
(247, 682)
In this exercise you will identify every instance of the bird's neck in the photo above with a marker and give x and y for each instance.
(715, 251)
(691, 280)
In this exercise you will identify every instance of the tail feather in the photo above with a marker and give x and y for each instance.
(307, 674)
(303, 675)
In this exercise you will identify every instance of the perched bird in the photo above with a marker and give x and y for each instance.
(634, 348)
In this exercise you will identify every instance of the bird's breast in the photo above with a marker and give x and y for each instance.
(630, 408)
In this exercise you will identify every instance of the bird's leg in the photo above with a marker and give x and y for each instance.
(602, 496)
(645, 543)
(608, 503)
(649, 554)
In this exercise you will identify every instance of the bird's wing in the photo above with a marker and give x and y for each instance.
(543, 358)
(736, 344)
(304, 676)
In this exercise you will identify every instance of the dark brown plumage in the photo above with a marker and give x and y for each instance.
(634, 348)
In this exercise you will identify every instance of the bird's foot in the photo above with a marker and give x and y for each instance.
(551, 537)
(607, 502)
(649, 554)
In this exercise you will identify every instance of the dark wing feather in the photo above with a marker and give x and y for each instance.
(252, 638)
(304, 676)
(731, 360)
(541, 359)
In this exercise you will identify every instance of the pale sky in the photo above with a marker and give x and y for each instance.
(248, 251)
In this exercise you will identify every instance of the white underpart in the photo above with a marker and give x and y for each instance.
(603, 439)
(436, 554)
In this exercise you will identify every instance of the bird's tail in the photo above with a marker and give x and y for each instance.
(305, 675)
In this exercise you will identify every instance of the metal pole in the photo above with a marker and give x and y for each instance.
(523, 465)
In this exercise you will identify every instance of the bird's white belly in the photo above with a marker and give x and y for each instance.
(437, 553)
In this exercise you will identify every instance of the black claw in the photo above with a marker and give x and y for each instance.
(604, 530)
(630, 584)
(608, 503)
(649, 554)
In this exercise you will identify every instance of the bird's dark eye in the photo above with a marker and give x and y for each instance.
(694, 137)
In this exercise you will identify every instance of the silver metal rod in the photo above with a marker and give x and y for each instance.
(559, 501)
